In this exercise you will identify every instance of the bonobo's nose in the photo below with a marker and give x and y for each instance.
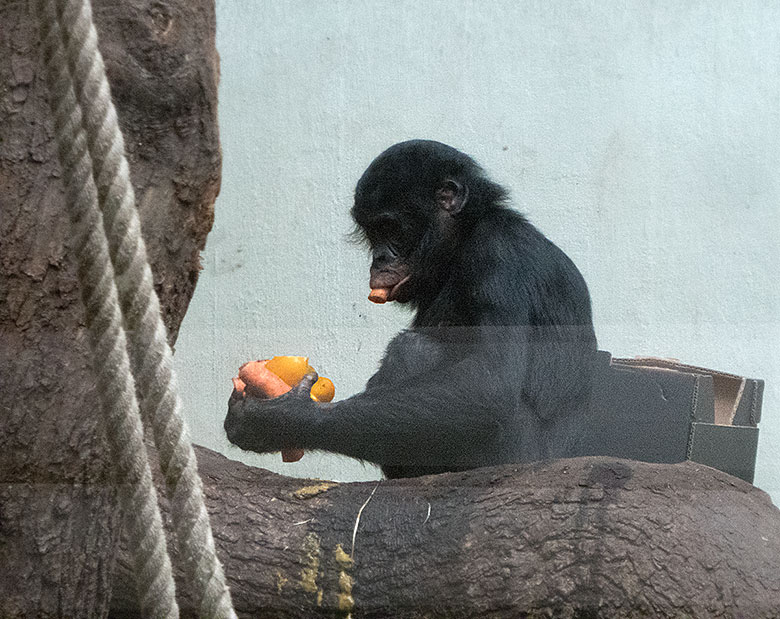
(382, 256)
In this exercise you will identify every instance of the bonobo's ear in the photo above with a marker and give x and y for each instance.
(451, 196)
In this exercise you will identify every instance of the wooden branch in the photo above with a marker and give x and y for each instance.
(589, 536)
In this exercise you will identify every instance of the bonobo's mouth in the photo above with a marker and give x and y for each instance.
(396, 292)
(389, 292)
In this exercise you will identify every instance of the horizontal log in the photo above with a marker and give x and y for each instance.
(581, 537)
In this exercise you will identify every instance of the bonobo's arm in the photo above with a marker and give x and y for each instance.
(410, 425)
(445, 417)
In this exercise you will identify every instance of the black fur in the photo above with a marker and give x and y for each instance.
(496, 365)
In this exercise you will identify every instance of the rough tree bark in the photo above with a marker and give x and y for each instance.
(58, 527)
(589, 537)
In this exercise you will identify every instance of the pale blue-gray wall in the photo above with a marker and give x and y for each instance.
(642, 137)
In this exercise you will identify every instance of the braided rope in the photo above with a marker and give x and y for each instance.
(150, 353)
(115, 384)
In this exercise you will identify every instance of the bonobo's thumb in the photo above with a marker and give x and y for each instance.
(304, 387)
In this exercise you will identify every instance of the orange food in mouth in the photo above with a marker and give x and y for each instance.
(379, 295)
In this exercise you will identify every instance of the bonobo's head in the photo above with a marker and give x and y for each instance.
(414, 204)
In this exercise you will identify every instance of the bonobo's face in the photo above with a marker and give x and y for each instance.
(394, 235)
(404, 205)
(392, 251)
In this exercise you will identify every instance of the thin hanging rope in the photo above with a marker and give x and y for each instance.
(151, 356)
(115, 385)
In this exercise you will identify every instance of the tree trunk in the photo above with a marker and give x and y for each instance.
(588, 537)
(58, 526)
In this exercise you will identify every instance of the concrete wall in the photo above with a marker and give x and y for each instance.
(642, 137)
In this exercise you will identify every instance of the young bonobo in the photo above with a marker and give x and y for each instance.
(495, 367)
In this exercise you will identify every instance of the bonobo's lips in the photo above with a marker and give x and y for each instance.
(394, 291)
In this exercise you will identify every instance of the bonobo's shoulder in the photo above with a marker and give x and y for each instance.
(505, 230)
(504, 243)
(504, 220)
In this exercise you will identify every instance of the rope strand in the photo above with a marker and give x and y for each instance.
(151, 356)
(115, 384)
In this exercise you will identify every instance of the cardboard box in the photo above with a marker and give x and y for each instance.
(660, 410)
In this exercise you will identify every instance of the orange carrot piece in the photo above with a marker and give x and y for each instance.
(292, 455)
(260, 381)
(379, 295)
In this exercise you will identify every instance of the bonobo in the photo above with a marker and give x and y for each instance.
(495, 367)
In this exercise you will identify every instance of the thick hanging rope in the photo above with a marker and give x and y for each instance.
(115, 384)
(151, 356)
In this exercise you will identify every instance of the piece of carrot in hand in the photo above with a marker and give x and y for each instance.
(260, 381)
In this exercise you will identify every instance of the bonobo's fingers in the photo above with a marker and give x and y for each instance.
(236, 396)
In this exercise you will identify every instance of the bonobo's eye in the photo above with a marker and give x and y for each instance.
(385, 229)
(391, 231)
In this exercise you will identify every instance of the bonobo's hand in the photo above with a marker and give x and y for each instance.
(267, 426)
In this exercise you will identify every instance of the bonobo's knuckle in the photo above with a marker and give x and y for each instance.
(232, 424)
(236, 396)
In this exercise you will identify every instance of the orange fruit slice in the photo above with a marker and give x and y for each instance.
(289, 368)
(323, 390)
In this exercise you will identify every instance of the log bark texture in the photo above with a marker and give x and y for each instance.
(58, 528)
(587, 537)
